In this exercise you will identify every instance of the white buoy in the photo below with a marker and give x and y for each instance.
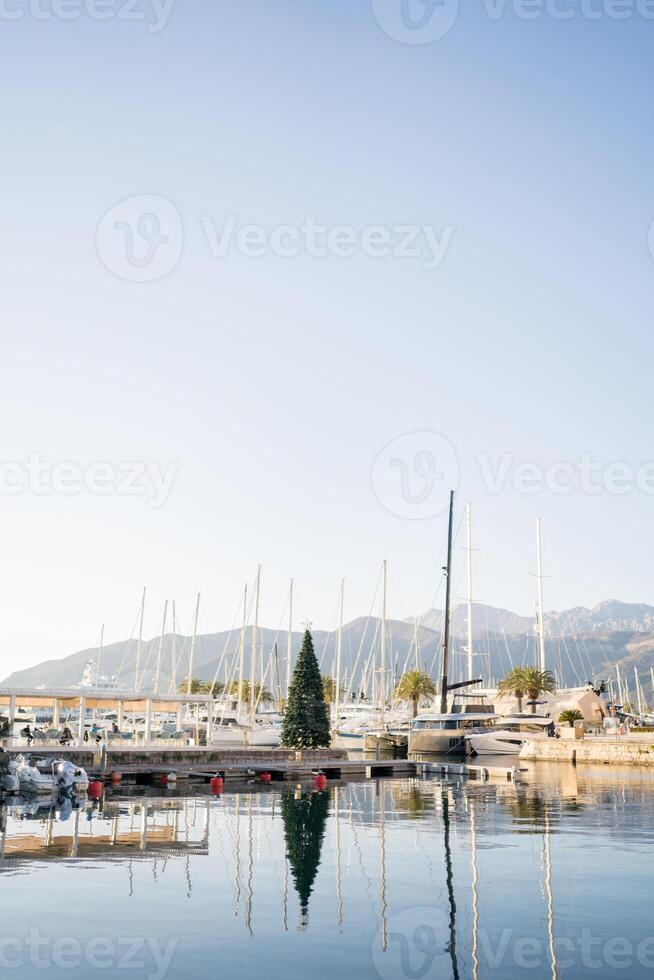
(172, 777)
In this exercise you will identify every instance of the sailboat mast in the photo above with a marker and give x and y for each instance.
(382, 649)
(639, 695)
(446, 625)
(469, 550)
(99, 657)
(193, 642)
(139, 645)
(254, 645)
(289, 641)
(157, 677)
(541, 611)
(339, 647)
(173, 651)
(241, 652)
(620, 692)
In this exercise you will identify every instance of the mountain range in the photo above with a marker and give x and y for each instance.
(582, 645)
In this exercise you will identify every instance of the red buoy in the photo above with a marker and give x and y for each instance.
(216, 784)
(320, 780)
(164, 778)
(95, 789)
(116, 777)
(265, 777)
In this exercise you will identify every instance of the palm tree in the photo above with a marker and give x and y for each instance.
(261, 695)
(514, 683)
(571, 715)
(538, 682)
(197, 686)
(413, 686)
(214, 688)
(329, 689)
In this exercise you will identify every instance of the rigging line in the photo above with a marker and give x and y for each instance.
(126, 651)
(331, 634)
(363, 638)
(185, 644)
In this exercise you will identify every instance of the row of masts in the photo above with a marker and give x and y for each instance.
(382, 669)
(256, 657)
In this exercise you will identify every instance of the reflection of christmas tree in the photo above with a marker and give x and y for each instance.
(304, 827)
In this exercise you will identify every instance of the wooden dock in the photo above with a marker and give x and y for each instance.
(198, 764)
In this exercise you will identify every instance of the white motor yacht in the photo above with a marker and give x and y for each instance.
(509, 735)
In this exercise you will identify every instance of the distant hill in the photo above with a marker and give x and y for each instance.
(582, 645)
(608, 616)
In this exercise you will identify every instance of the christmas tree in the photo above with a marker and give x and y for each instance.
(306, 720)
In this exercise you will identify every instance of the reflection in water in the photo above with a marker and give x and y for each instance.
(534, 861)
(304, 816)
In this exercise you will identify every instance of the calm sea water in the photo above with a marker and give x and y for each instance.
(391, 879)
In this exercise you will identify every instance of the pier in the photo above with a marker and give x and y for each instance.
(623, 750)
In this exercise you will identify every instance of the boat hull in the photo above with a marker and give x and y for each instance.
(509, 743)
(437, 742)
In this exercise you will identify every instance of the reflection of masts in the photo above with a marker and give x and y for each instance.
(547, 883)
(238, 854)
(475, 890)
(337, 817)
(445, 798)
(248, 915)
(382, 891)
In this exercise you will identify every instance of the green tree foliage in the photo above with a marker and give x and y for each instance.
(306, 719)
(413, 686)
(201, 687)
(527, 681)
(261, 695)
(571, 715)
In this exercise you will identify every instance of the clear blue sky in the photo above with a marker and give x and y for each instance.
(274, 382)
